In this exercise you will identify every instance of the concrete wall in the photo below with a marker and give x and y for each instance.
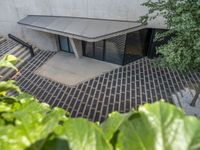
(13, 10)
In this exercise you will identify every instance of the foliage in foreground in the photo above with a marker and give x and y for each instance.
(182, 19)
(25, 123)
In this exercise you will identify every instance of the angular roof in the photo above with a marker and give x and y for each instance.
(87, 29)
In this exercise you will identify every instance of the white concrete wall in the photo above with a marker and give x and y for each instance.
(12, 11)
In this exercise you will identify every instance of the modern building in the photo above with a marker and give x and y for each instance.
(106, 30)
(66, 34)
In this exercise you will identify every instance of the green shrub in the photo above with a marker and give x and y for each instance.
(25, 123)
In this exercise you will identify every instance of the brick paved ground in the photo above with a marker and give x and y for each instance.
(119, 90)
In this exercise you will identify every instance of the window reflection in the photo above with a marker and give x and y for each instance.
(119, 50)
(136, 45)
(99, 50)
(89, 51)
(65, 44)
(114, 52)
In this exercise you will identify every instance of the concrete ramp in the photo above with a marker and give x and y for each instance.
(65, 68)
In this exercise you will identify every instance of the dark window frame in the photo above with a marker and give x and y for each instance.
(124, 57)
(104, 50)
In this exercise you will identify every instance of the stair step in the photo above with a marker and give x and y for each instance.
(2, 40)
(16, 48)
(23, 55)
(35, 50)
(7, 46)
(16, 54)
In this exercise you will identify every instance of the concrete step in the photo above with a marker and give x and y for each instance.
(2, 39)
(35, 49)
(23, 55)
(11, 47)
(7, 46)
(15, 49)
(18, 51)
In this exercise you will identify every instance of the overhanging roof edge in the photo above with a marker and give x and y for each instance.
(108, 28)
(79, 37)
(84, 18)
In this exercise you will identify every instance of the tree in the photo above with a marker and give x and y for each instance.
(182, 17)
(182, 51)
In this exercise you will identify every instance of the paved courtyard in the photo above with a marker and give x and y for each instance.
(119, 90)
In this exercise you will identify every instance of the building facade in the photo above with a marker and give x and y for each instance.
(13, 10)
(120, 49)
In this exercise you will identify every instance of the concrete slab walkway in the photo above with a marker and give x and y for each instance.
(65, 68)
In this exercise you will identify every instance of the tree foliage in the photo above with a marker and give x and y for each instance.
(182, 19)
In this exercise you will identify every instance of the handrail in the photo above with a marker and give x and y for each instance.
(22, 43)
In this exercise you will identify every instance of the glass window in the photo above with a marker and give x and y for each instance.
(65, 44)
(136, 45)
(94, 50)
(114, 51)
(99, 50)
(89, 49)
(70, 47)
(120, 49)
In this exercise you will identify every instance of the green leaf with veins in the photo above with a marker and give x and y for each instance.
(4, 63)
(9, 61)
(84, 135)
(113, 122)
(159, 126)
(10, 58)
(6, 86)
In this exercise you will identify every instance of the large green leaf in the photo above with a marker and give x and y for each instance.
(84, 135)
(113, 122)
(10, 58)
(6, 86)
(29, 124)
(9, 61)
(159, 126)
(53, 142)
